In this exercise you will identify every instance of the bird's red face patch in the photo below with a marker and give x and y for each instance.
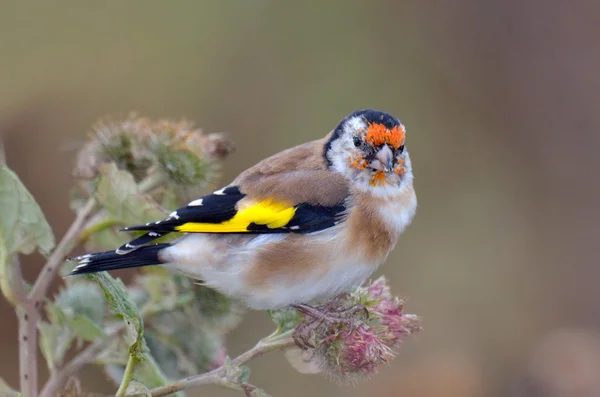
(379, 134)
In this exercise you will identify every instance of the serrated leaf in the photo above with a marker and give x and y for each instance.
(22, 222)
(119, 194)
(285, 319)
(123, 306)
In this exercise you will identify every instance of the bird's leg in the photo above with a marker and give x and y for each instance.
(326, 314)
(303, 334)
(345, 312)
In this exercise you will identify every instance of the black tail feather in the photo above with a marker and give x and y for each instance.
(110, 260)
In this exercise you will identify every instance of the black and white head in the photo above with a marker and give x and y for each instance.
(368, 147)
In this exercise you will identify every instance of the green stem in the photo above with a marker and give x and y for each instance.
(96, 227)
(126, 377)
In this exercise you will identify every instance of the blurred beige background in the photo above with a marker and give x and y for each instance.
(502, 105)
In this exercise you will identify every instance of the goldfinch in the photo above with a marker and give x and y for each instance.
(297, 228)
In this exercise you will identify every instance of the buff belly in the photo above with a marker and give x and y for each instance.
(273, 270)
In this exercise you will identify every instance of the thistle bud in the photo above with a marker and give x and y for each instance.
(350, 350)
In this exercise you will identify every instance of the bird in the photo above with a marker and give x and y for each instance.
(296, 229)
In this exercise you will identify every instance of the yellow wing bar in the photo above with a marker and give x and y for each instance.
(267, 212)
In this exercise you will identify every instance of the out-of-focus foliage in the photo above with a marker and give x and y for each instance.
(128, 167)
(23, 226)
(23, 229)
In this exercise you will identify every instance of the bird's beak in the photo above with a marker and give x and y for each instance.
(384, 160)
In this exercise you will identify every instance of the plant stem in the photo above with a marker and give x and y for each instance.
(13, 288)
(41, 285)
(219, 376)
(96, 227)
(86, 356)
(28, 317)
(126, 376)
(28, 313)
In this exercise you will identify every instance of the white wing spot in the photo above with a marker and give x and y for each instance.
(220, 192)
(153, 234)
(195, 203)
(157, 222)
(294, 227)
(172, 215)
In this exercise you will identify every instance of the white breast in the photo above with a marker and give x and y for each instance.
(400, 213)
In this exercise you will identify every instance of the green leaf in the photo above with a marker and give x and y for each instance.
(8, 278)
(136, 388)
(106, 240)
(236, 374)
(85, 328)
(22, 222)
(83, 306)
(6, 390)
(119, 194)
(55, 340)
(150, 374)
(181, 352)
(83, 298)
(123, 306)
(116, 353)
(285, 319)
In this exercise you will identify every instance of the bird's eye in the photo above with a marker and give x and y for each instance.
(401, 149)
(357, 141)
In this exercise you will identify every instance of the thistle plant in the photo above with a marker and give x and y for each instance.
(133, 171)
